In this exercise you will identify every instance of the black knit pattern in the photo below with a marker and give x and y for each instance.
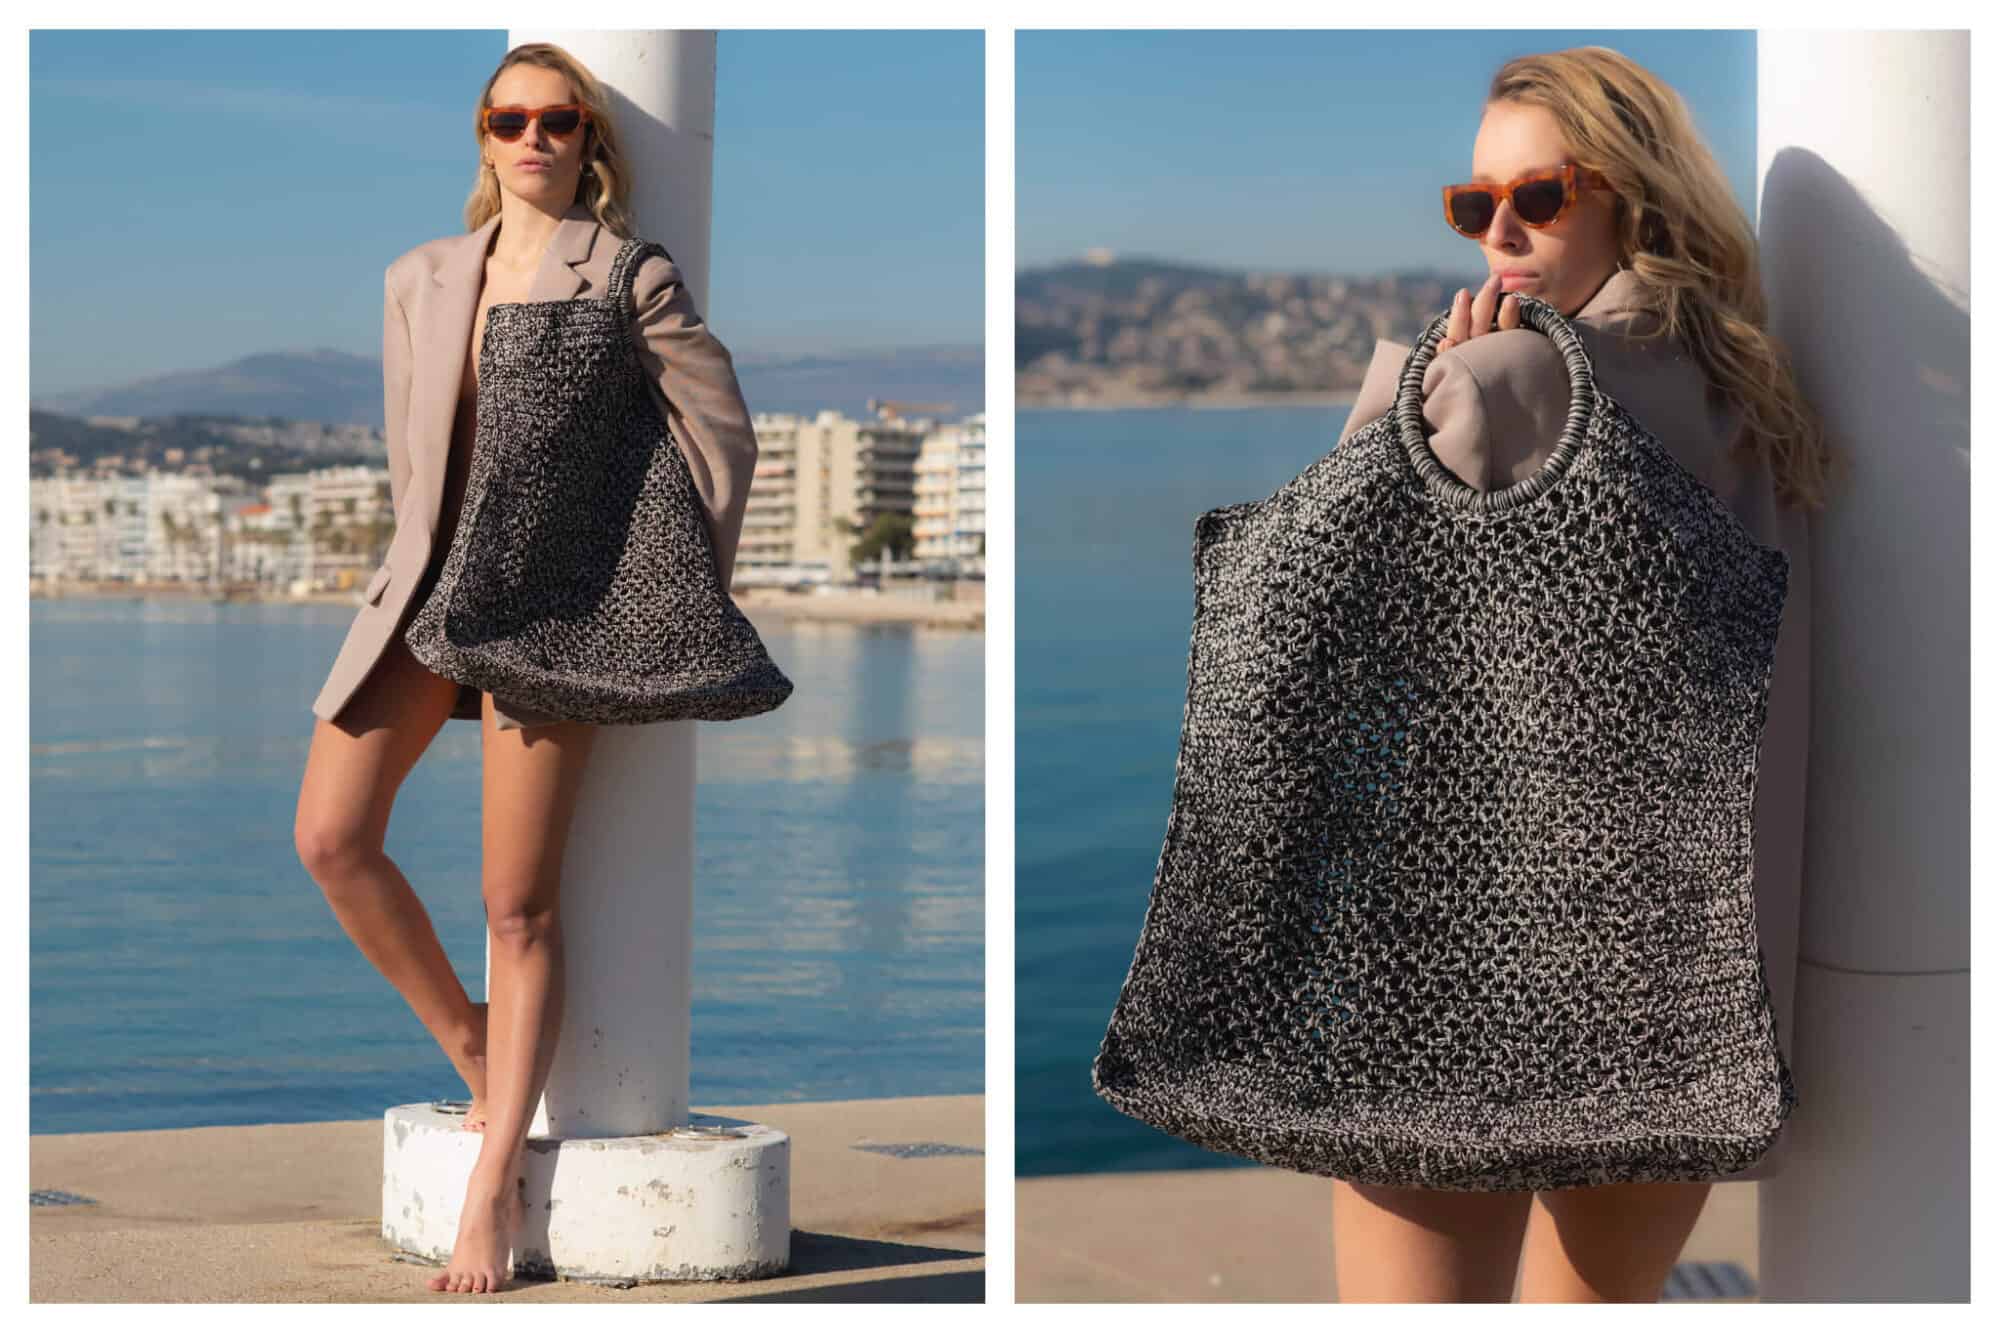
(581, 580)
(1456, 885)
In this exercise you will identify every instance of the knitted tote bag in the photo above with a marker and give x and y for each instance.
(581, 579)
(1456, 885)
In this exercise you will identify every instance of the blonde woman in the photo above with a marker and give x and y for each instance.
(545, 219)
(1591, 190)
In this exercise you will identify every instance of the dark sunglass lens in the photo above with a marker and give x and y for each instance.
(561, 122)
(1538, 201)
(1471, 212)
(507, 124)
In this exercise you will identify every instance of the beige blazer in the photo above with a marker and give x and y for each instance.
(430, 297)
(1494, 407)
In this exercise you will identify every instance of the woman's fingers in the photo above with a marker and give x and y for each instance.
(1459, 327)
(1483, 303)
(1473, 313)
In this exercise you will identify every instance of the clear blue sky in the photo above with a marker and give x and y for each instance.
(1319, 151)
(200, 196)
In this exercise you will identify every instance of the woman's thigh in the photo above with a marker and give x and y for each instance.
(1426, 1245)
(354, 766)
(1608, 1242)
(532, 777)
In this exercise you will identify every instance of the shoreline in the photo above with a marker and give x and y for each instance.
(1342, 399)
(858, 608)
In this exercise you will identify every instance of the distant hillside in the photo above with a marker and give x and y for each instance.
(1052, 304)
(317, 384)
(253, 448)
(1143, 330)
(322, 385)
(807, 384)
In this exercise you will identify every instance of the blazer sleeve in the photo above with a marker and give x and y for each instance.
(1494, 406)
(1378, 386)
(396, 390)
(703, 403)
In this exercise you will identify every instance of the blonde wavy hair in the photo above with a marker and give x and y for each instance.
(605, 185)
(1682, 234)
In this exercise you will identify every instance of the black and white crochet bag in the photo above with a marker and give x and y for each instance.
(581, 580)
(1456, 885)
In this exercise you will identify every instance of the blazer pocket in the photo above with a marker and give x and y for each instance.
(380, 580)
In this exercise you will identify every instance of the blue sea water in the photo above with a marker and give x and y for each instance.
(1107, 503)
(185, 970)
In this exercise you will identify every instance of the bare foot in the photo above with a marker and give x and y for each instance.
(472, 1067)
(480, 1258)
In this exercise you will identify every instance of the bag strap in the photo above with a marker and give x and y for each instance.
(1440, 480)
(625, 267)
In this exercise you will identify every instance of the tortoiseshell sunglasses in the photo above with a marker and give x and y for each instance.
(1539, 198)
(508, 123)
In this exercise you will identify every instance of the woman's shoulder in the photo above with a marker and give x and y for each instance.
(419, 259)
(656, 269)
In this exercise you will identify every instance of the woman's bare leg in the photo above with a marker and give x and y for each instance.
(1426, 1245)
(532, 777)
(1608, 1242)
(353, 771)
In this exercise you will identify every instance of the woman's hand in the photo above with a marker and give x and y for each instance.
(1473, 315)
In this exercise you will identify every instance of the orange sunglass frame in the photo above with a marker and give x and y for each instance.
(1574, 180)
(533, 113)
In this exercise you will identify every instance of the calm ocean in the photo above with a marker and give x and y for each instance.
(1104, 606)
(187, 971)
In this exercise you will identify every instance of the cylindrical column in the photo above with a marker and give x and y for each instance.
(1864, 157)
(621, 1064)
(610, 1193)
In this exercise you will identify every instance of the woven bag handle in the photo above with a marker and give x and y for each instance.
(625, 267)
(1440, 480)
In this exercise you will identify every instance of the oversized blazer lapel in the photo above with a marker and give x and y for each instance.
(441, 336)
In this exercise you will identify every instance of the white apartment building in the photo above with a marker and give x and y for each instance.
(154, 528)
(820, 482)
(950, 505)
(349, 516)
(166, 527)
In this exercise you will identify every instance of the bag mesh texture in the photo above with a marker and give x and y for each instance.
(1456, 885)
(581, 580)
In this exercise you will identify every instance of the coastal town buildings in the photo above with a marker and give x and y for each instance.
(820, 482)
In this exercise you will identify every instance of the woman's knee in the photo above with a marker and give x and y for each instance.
(332, 847)
(521, 915)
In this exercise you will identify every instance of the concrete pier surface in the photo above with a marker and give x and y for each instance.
(882, 1209)
(1248, 1233)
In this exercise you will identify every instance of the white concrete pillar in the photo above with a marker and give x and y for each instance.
(623, 1181)
(1863, 146)
(628, 875)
